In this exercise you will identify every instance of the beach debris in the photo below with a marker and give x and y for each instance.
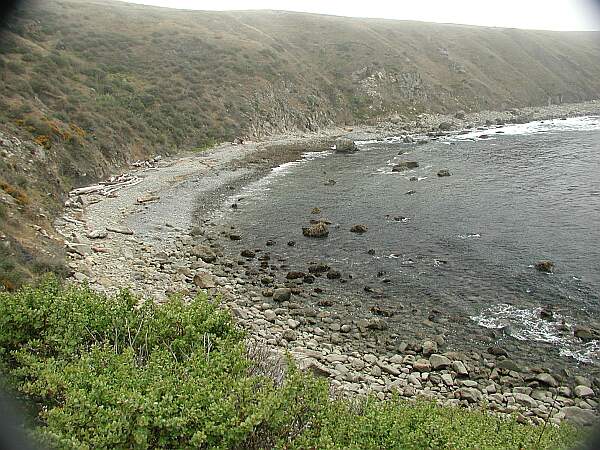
(108, 188)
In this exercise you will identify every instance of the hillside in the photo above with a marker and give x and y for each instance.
(88, 86)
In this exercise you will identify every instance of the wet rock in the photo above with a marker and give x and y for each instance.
(235, 237)
(583, 391)
(270, 243)
(547, 314)
(583, 333)
(291, 243)
(413, 179)
(330, 182)
(445, 126)
(411, 192)
(371, 251)
(343, 145)
(318, 230)
(316, 211)
(248, 254)
(204, 280)
(294, 275)
(497, 351)
(334, 274)
(359, 228)
(439, 362)
(545, 266)
(282, 294)
(382, 311)
(308, 279)
(318, 268)
(443, 173)
(405, 165)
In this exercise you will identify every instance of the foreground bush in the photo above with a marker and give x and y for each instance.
(103, 373)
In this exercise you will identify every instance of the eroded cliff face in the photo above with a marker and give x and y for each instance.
(92, 86)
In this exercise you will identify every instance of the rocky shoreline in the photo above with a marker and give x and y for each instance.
(147, 237)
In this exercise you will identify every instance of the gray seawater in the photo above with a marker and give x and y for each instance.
(467, 242)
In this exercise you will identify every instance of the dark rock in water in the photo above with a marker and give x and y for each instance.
(371, 251)
(282, 294)
(359, 228)
(317, 230)
(330, 182)
(291, 243)
(309, 279)
(318, 268)
(422, 141)
(343, 145)
(547, 314)
(248, 254)
(294, 275)
(333, 274)
(445, 126)
(316, 211)
(443, 173)
(583, 333)
(545, 266)
(270, 243)
(460, 115)
(411, 192)
(234, 206)
(382, 311)
(235, 237)
(408, 140)
(497, 351)
(483, 136)
(405, 165)
(413, 179)
(374, 291)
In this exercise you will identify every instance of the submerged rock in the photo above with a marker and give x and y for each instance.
(405, 165)
(330, 182)
(317, 230)
(359, 228)
(443, 173)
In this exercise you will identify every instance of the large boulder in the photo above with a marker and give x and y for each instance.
(317, 230)
(204, 253)
(579, 416)
(439, 362)
(343, 145)
(545, 266)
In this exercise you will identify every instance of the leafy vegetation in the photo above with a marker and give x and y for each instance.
(109, 373)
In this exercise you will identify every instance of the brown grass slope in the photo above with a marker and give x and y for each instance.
(90, 85)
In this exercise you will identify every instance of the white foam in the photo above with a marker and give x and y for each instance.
(527, 325)
(586, 123)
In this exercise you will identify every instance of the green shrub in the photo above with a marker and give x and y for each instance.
(109, 373)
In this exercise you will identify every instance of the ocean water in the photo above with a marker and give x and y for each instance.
(462, 245)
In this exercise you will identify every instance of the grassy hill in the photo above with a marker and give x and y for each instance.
(87, 86)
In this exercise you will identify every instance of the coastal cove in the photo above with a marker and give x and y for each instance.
(381, 323)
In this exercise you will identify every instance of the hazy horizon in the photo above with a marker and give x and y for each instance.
(560, 15)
